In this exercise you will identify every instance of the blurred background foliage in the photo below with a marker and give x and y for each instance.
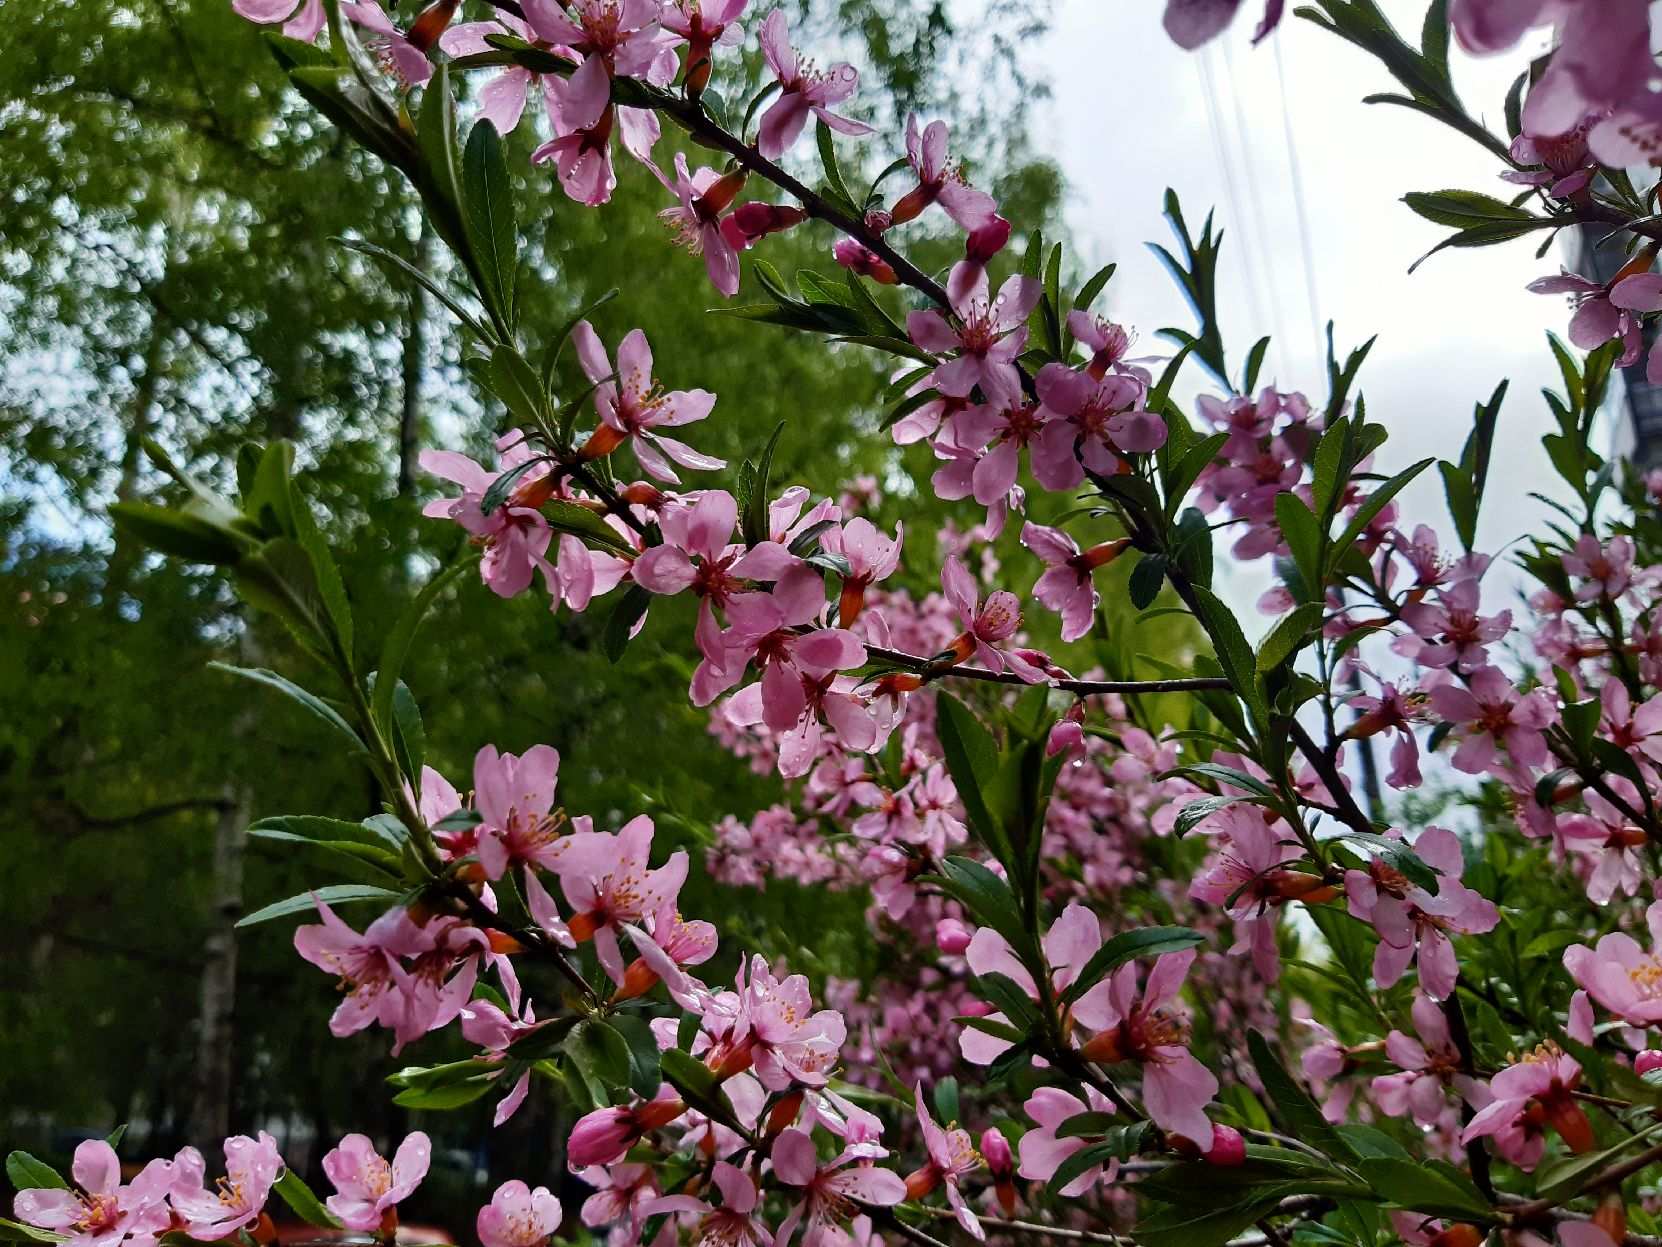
(166, 270)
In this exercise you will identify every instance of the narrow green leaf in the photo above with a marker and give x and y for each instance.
(333, 895)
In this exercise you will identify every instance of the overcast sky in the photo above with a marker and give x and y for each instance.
(1276, 138)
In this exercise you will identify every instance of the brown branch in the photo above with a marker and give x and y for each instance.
(932, 669)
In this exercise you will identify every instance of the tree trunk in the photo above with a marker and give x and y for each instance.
(210, 1117)
(415, 364)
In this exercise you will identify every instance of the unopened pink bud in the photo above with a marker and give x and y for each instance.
(995, 1150)
(986, 241)
(602, 1137)
(1228, 1147)
(953, 937)
(1649, 1059)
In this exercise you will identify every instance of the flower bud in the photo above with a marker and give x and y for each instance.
(1228, 1147)
(986, 241)
(953, 937)
(1460, 1234)
(865, 262)
(602, 1137)
(995, 1150)
(1611, 1216)
(1649, 1059)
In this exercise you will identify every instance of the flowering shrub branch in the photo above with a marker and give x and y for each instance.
(1092, 904)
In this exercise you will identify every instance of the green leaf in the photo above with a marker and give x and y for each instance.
(1375, 504)
(1234, 654)
(178, 533)
(271, 502)
(382, 864)
(580, 522)
(28, 1173)
(396, 647)
(972, 760)
(694, 1080)
(601, 1053)
(1304, 536)
(1146, 580)
(331, 590)
(1081, 1162)
(1008, 997)
(16, 1232)
(334, 895)
(468, 319)
(1084, 1125)
(1560, 1179)
(1399, 856)
(520, 387)
(645, 1074)
(305, 1205)
(989, 900)
(1089, 291)
(320, 709)
(1435, 1192)
(488, 217)
(1197, 812)
(1465, 209)
(1127, 946)
(449, 1096)
(1290, 634)
(631, 605)
(754, 518)
(1299, 1112)
(1254, 362)
(833, 170)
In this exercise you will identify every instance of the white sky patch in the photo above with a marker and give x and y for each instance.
(1306, 181)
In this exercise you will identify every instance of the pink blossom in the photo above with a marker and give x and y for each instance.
(1545, 1079)
(1620, 975)
(1408, 918)
(804, 90)
(367, 965)
(1566, 169)
(608, 884)
(1605, 570)
(774, 631)
(986, 621)
(1042, 1152)
(696, 555)
(732, 1223)
(634, 406)
(494, 1030)
(1152, 1029)
(860, 259)
(1395, 710)
(1091, 424)
(830, 1193)
(871, 557)
(988, 338)
(1491, 715)
(1606, 840)
(778, 1033)
(704, 25)
(502, 99)
(518, 1216)
(515, 798)
(826, 696)
(367, 1187)
(1629, 728)
(1191, 23)
(302, 19)
(621, 1193)
(103, 1212)
(1450, 632)
(401, 58)
(951, 1158)
(1607, 311)
(515, 535)
(938, 181)
(1430, 1065)
(251, 1168)
(1248, 878)
(1067, 586)
(697, 222)
(1068, 945)
(435, 984)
